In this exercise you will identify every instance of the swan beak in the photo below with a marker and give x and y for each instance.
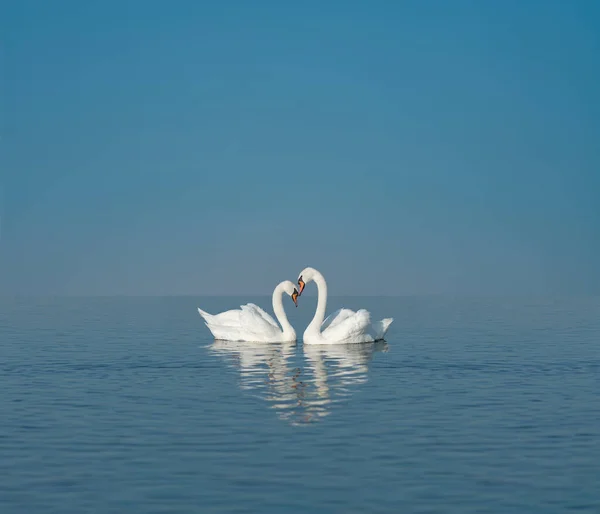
(301, 284)
(295, 297)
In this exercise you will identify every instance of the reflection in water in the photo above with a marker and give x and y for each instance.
(335, 368)
(264, 369)
(299, 395)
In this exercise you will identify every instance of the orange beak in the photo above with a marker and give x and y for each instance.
(295, 298)
(301, 284)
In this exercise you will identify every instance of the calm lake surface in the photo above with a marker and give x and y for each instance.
(472, 405)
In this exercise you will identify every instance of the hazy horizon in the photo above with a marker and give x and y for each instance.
(191, 149)
(313, 297)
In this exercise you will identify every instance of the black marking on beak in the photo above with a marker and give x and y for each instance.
(301, 284)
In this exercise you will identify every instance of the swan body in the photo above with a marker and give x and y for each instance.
(251, 323)
(344, 325)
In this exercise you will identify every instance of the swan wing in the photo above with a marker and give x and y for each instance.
(248, 323)
(227, 318)
(256, 328)
(336, 317)
(350, 327)
(259, 316)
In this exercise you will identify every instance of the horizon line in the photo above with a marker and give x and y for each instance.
(265, 295)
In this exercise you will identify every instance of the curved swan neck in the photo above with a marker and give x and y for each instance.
(319, 317)
(280, 311)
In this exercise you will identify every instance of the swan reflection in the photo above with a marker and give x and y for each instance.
(335, 369)
(299, 394)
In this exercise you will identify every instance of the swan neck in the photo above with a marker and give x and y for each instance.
(319, 317)
(280, 311)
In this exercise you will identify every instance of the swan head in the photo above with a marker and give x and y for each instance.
(306, 275)
(290, 288)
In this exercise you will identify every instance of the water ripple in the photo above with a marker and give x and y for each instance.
(329, 374)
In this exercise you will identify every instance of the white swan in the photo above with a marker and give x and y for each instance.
(251, 323)
(344, 325)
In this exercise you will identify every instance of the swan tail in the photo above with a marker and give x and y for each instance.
(381, 327)
(209, 321)
(207, 317)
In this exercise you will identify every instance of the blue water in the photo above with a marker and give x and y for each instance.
(472, 405)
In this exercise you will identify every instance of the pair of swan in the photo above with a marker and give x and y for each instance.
(251, 323)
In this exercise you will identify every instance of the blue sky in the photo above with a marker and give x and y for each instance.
(399, 147)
